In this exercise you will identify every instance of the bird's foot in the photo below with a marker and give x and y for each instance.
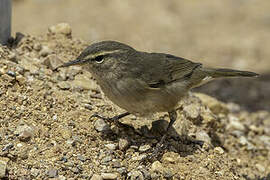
(116, 121)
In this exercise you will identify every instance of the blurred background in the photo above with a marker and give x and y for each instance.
(231, 34)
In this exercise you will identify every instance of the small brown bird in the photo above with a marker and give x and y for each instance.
(144, 83)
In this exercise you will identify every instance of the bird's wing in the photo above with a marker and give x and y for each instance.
(165, 68)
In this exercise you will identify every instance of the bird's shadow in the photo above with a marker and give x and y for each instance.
(181, 144)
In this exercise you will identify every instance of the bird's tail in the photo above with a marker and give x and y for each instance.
(217, 73)
(202, 75)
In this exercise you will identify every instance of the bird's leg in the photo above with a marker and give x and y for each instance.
(173, 117)
(112, 119)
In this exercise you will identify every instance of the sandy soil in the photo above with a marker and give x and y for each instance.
(45, 125)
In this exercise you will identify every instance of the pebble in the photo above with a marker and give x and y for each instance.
(136, 175)
(11, 73)
(123, 144)
(96, 177)
(260, 167)
(234, 124)
(63, 85)
(110, 146)
(61, 28)
(3, 166)
(192, 111)
(82, 81)
(243, 140)
(45, 51)
(52, 61)
(35, 172)
(101, 126)
(156, 167)
(139, 158)
(88, 106)
(203, 136)
(144, 148)
(219, 150)
(106, 159)
(121, 170)
(25, 136)
(21, 80)
(109, 175)
(8, 147)
(52, 173)
(81, 158)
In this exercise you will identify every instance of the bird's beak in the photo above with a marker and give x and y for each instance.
(72, 63)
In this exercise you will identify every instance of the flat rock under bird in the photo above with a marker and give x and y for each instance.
(144, 83)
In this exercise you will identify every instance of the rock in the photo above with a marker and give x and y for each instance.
(157, 167)
(63, 85)
(139, 158)
(144, 148)
(8, 147)
(37, 46)
(243, 140)
(96, 177)
(106, 159)
(21, 80)
(25, 136)
(11, 73)
(81, 158)
(45, 51)
(219, 150)
(52, 61)
(101, 126)
(109, 175)
(66, 133)
(61, 28)
(110, 146)
(234, 124)
(28, 64)
(203, 136)
(214, 105)
(260, 168)
(135, 175)
(52, 173)
(123, 144)
(121, 170)
(35, 172)
(84, 82)
(192, 111)
(3, 166)
(88, 106)
(24, 132)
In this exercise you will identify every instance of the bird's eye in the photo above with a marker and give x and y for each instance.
(99, 59)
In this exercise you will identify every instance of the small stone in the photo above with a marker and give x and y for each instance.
(157, 167)
(11, 73)
(25, 136)
(123, 144)
(52, 61)
(21, 80)
(12, 57)
(61, 177)
(109, 175)
(106, 159)
(52, 173)
(88, 106)
(3, 166)
(61, 28)
(219, 150)
(260, 168)
(8, 147)
(203, 136)
(144, 148)
(96, 177)
(192, 111)
(214, 105)
(122, 170)
(37, 47)
(243, 140)
(139, 158)
(101, 126)
(63, 85)
(84, 82)
(234, 124)
(110, 146)
(81, 158)
(35, 172)
(45, 51)
(66, 133)
(135, 175)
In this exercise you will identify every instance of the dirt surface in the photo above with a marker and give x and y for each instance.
(46, 130)
(45, 127)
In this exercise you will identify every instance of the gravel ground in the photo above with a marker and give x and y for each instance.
(46, 130)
